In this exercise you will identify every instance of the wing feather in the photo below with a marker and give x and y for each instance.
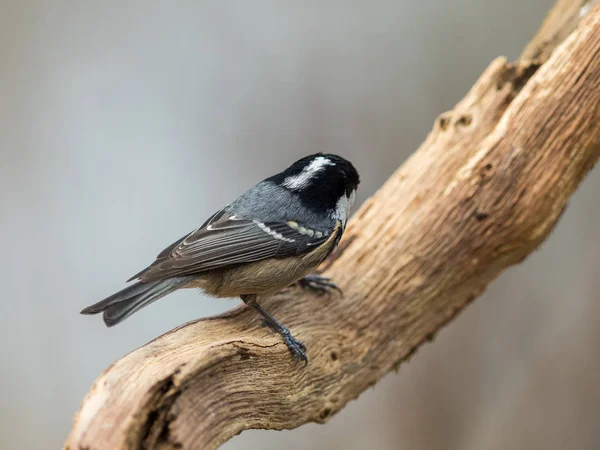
(225, 240)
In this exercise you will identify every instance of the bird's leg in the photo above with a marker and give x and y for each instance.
(318, 283)
(297, 347)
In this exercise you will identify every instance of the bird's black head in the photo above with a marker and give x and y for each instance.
(320, 180)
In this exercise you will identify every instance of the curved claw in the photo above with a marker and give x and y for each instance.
(318, 284)
(297, 348)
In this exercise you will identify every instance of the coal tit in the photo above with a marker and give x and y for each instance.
(271, 237)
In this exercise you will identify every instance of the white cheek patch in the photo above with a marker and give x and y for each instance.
(303, 178)
(343, 207)
(351, 201)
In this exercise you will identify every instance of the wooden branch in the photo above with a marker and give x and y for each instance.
(483, 191)
(562, 19)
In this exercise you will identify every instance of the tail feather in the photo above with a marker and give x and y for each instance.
(121, 305)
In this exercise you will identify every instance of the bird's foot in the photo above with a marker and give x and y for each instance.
(319, 284)
(296, 347)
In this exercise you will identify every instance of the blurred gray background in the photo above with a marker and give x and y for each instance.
(125, 124)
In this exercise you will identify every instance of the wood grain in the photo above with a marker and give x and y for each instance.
(483, 191)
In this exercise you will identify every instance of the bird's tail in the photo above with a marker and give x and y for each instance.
(121, 305)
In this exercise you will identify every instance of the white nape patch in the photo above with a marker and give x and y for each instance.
(270, 232)
(343, 208)
(303, 178)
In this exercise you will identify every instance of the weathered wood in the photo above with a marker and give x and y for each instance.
(482, 192)
(560, 22)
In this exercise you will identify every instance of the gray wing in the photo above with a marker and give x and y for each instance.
(225, 240)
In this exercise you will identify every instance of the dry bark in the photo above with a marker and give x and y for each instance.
(483, 191)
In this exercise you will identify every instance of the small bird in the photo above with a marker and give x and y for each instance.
(271, 237)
